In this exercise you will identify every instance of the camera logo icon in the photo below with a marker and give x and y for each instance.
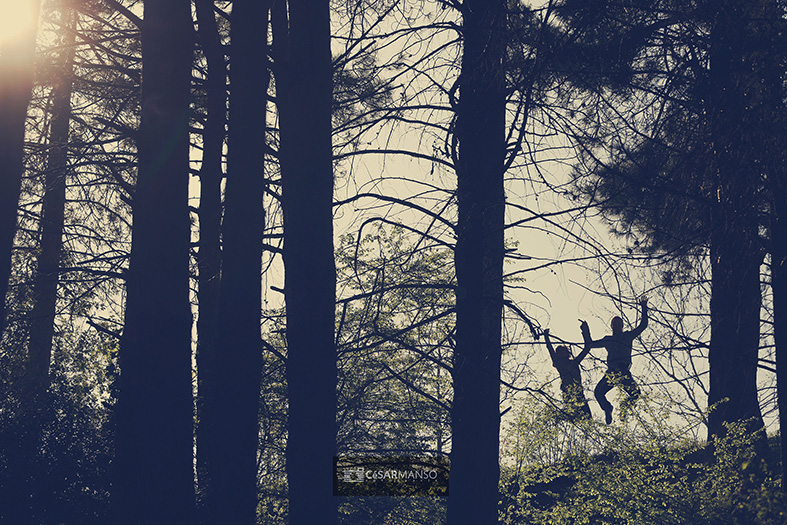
(355, 475)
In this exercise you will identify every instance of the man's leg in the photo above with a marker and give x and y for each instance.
(601, 390)
(585, 410)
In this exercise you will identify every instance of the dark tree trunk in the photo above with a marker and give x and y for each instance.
(304, 94)
(736, 252)
(25, 466)
(154, 480)
(16, 84)
(42, 316)
(232, 412)
(771, 80)
(735, 333)
(777, 178)
(24, 473)
(475, 414)
(779, 287)
(209, 257)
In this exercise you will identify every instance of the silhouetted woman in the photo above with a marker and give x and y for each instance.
(576, 405)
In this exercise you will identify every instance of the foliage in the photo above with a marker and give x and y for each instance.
(394, 511)
(73, 450)
(271, 476)
(394, 329)
(394, 320)
(642, 472)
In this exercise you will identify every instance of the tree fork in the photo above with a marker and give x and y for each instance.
(232, 423)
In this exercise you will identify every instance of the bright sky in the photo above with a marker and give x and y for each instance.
(17, 19)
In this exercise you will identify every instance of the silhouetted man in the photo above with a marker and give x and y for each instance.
(618, 372)
(570, 375)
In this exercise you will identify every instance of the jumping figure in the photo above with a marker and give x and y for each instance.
(618, 372)
(570, 375)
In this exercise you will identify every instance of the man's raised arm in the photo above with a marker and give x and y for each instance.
(589, 342)
(585, 329)
(643, 322)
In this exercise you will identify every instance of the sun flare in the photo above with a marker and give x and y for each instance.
(18, 18)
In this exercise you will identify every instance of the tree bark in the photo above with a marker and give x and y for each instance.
(735, 249)
(304, 94)
(779, 287)
(480, 129)
(770, 79)
(154, 440)
(42, 316)
(735, 334)
(209, 259)
(16, 84)
(232, 421)
(31, 478)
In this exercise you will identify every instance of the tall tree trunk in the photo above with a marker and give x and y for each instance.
(25, 465)
(735, 333)
(209, 258)
(736, 253)
(154, 470)
(770, 78)
(779, 287)
(232, 422)
(304, 94)
(771, 74)
(475, 414)
(42, 316)
(16, 84)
